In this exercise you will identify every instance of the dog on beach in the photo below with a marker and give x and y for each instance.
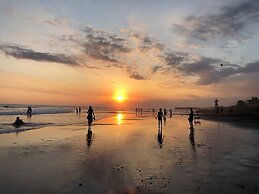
(197, 119)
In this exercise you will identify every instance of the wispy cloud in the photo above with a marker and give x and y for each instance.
(131, 70)
(230, 23)
(206, 70)
(116, 51)
(20, 52)
(57, 21)
(101, 45)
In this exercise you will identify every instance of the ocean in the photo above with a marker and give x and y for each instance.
(43, 115)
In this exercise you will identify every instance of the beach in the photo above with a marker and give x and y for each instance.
(125, 154)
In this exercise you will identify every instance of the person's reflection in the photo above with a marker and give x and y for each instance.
(160, 137)
(191, 137)
(89, 138)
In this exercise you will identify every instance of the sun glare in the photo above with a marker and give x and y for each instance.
(120, 96)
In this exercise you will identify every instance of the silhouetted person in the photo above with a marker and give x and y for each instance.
(76, 110)
(159, 117)
(217, 105)
(18, 122)
(165, 112)
(89, 137)
(190, 118)
(141, 111)
(79, 110)
(136, 111)
(160, 137)
(29, 111)
(90, 116)
(171, 113)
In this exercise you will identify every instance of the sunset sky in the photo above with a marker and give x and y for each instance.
(137, 53)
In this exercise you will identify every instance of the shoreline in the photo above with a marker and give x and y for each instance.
(253, 118)
(129, 154)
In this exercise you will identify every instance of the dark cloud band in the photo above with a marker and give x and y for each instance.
(230, 23)
(20, 52)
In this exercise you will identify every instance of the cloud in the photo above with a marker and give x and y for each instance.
(120, 52)
(57, 21)
(133, 73)
(156, 68)
(250, 68)
(174, 59)
(20, 52)
(147, 43)
(230, 23)
(136, 76)
(102, 45)
(209, 71)
(11, 11)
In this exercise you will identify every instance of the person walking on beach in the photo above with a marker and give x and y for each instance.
(90, 116)
(165, 112)
(159, 117)
(79, 110)
(190, 118)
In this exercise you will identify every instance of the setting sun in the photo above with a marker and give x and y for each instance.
(120, 95)
(120, 98)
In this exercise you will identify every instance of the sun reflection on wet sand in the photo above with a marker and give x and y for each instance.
(119, 118)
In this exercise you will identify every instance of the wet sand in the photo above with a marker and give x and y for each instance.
(126, 153)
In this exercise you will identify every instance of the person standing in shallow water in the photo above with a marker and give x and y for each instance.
(90, 116)
(190, 118)
(29, 111)
(159, 117)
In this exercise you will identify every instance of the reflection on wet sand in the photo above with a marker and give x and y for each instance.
(89, 138)
(119, 118)
(128, 155)
(160, 137)
(191, 137)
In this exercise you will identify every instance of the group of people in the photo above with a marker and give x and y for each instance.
(78, 110)
(139, 111)
(18, 122)
(162, 115)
